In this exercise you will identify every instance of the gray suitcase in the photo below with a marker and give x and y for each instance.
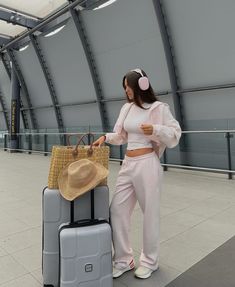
(56, 211)
(86, 253)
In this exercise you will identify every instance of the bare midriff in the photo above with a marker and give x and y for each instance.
(139, 151)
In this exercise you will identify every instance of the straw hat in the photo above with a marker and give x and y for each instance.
(79, 177)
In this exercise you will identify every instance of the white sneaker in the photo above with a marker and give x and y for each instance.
(143, 272)
(118, 272)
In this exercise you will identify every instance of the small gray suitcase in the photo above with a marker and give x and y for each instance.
(56, 211)
(86, 253)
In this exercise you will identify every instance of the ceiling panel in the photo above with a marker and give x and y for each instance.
(39, 8)
(9, 29)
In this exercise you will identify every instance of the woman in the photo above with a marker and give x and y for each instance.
(148, 127)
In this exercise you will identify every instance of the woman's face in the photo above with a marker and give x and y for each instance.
(129, 91)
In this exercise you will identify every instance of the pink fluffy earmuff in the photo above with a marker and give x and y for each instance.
(143, 80)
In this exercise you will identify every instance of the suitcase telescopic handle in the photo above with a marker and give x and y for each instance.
(92, 200)
(72, 211)
(92, 191)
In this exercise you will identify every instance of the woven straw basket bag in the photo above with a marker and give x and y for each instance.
(64, 155)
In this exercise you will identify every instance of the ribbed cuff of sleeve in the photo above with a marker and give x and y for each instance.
(107, 138)
(157, 130)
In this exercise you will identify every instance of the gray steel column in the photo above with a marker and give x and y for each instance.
(24, 88)
(6, 65)
(49, 82)
(15, 111)
(2, 102)
(92, 66)
(4, 110)
(174, 80)
(170, 60)
(8, 71)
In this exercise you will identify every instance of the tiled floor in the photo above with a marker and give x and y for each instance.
(214, 270)
(197, 216)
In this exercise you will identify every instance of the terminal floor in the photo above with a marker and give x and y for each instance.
(197, 216)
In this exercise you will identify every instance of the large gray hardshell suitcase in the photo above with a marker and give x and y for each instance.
(56, 211)
(86, 252)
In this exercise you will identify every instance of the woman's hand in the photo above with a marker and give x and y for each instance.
(147, 129)
(99, 141)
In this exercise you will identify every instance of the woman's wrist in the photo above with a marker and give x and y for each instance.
(104, 137)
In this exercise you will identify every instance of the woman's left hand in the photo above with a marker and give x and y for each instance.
(147, 129)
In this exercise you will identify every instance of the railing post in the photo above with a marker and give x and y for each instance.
(30, 144)
(64, 140)
(45, 145)
(121, 155)
(19, 142)
(5, 142)
(165, 160)
(228, 136)
(89, 138)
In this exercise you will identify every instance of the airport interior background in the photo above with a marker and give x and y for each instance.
(61, 68)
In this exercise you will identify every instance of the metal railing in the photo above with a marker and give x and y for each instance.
(228, 135)
(42, 139)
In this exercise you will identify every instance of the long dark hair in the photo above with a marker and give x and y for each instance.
(140, 96)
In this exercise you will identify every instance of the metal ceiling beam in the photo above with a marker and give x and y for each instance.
(17, 19)
(208, 88)
(92, 67)
(7, 67)
(119, 99)
(175, 87)
(24, 88)
(4, 41)
(42, 24)
(19, 11)
(92, 4)
(49, 82)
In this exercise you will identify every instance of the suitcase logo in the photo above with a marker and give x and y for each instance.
(88, 267)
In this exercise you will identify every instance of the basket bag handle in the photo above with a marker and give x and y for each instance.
(90, 150)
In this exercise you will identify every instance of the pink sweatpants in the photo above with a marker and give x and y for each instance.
(140, 178)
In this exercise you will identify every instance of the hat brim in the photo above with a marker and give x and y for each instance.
(71, 193)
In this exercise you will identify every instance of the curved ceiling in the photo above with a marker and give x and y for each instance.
(59, 70)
